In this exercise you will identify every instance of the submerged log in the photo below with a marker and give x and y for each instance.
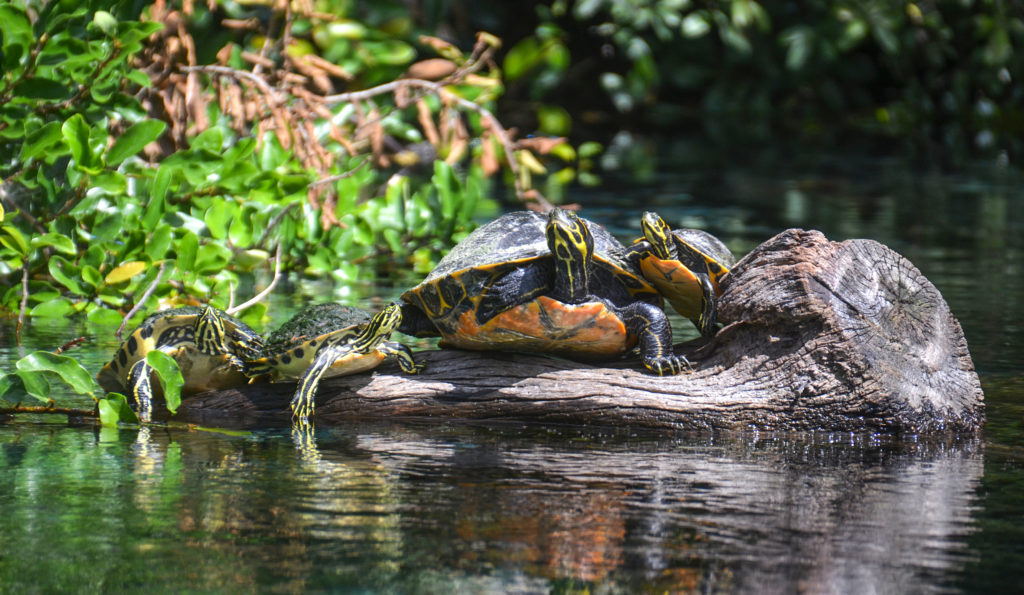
(843, 336)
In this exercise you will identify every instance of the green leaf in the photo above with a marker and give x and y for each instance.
(219, 216)
(105, 21)
(187, 248)
(67, 368)
(169, 375)
(133, 140)
(695, 25)
(212, 258)
(104, 317)
(155, 207)
(17, 35)
(114, 408)
(41, 140)
(54, 308)
(39, 88)
(77, 135)
(60, 242)
(66, 274)
(159, 242)
(12, 238)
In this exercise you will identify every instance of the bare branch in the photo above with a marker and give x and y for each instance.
(141, 301)
(259, 296)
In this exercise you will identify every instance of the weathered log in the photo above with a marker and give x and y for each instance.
(843, 336)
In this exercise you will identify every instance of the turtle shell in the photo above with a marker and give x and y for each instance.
(314, 321)
(480, 295)
(514, 240)
(719, 258)
(675, 278)
(173, 331)
(291, 348)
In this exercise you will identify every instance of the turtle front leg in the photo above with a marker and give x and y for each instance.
(651, 325)
(708, 307)
(141, 389)
(403, 354)
(302, 403)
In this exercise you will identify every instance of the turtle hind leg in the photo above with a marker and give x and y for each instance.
(402, 354)
(140, 388)
(650, 324)
(302, 403)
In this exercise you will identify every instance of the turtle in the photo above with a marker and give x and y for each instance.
(326, 340)
(557, 284)
(209, 346)
(685, 265)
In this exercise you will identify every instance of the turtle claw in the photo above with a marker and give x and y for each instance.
(302, 408)
(669, 365)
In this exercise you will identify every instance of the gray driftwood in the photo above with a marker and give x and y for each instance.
(818, 335)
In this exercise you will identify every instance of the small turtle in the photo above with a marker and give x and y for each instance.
(328, 340)
(209, 346)
(553, 284)
(685, 265)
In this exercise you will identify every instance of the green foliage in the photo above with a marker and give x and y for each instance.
(98, 212)
(939, 73)
(35, 373)
(169, 376)
(114, 409)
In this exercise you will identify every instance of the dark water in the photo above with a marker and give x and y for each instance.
(440, 507)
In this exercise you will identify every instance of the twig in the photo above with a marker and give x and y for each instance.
(141, 301)
(330, 179)
(273, 223)
(259, 296)
(9, 205)
(24, 298)
(48, 409)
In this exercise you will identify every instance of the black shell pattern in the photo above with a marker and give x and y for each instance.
(314, 321)
(708, 244)
(519, 237)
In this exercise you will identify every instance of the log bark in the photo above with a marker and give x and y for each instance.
(843, 336)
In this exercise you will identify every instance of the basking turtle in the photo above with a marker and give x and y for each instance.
(328, 340)
(685, 265)
(208, 345)
(557, 284)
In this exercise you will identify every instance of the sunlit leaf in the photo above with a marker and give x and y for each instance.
(104, 317)
(187, 247)
(133, 140)
(68, 369)
(66, 274)
(125, 271)
(169, 375)
(42, 140)
(60, 242)
(114, 408)
(53, 308)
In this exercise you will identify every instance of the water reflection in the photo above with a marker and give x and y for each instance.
(419, 509)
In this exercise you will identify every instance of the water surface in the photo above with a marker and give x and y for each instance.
(442, 507)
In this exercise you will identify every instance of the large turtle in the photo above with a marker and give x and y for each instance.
(328, 340)
(209, 346)
(685, 265)
(554, 284)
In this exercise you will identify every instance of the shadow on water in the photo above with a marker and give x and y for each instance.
(415, 508)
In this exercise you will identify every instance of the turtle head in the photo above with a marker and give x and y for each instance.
(572, 247)
(658, 234)
(210, 333)
(379, 328)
